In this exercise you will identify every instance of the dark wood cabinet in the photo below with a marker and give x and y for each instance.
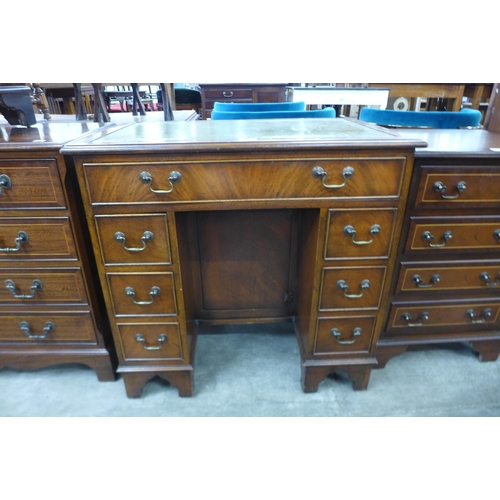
(239, 92)
(280, 220)
(446, 288)
(50, 311)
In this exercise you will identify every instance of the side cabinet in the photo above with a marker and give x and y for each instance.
(49, 306)
(447, 285)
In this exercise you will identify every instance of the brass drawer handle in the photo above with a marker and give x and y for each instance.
(486, 278)
(11, 286)
(417, 280)
(48, 328)
(319, 173)
(5, 183)
(350, 231)
(227, 94)
(140, 338)
(22, 237)
(155, 290)
(174, 177)
(496, 235)
(355, 333)
(147, 236)
(423, 317)
(344, 286)
(439, 187)
(428, 236)
(473, 318)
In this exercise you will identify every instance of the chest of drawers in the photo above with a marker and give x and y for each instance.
(239, 92)
(447, 284)
(222, 222)
(49, 307)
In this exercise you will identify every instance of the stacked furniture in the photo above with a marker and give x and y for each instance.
(50, 307)
(446, 288)
(277, 220)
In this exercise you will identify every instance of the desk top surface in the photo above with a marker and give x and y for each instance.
(240, 135)
(454, 143)
(53, 133)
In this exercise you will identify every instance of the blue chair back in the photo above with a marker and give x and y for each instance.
(248, 107)
(433, 119)
(262, 115)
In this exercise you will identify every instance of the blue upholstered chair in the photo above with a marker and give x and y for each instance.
(431, 119)
(248, 107)
(260, 115)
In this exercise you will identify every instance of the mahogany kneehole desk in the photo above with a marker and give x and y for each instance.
(244, 222)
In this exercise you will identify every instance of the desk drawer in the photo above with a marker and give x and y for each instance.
(36, 238)
(135, 239)
(47, 328)
(443, 187)
(151, 341)
(423, 279)
(378, 178)
(138, 294)
(42, 286)
(351, 288)
(30, 184)
(228, 94)
(453, 234)
(454, 317)
(359, 234)
(343, 334)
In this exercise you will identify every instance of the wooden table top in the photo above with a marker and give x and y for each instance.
(454, 143)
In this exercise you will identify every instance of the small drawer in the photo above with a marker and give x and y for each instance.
(42, 286)
(229, 94)
(37, 238)
(134, 239)
(454, 317)
(151, 341)
(415, 278)
(351, 288)
(442, 187)
(359, 234)
(471, 234)
(47, 328)
(344, 334)
(30, 184)
(137, 294)
(351, 178)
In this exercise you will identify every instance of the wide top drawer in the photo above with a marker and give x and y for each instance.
(452, 186)
(30, 184)
(228, 93)
(173, 182)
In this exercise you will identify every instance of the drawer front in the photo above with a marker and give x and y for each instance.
(36, 238)
(47, 328)
(459, 316)
(245, 180)
(151, 341)
(449, 277)
(440, 187)
(136, 239)
(42, 286)
(138, 294)
(351, 288)
(359, 234)
(30, 184)
(453, 233)
(344, 334)
(228, 94)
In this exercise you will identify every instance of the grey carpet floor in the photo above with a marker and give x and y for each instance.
(258, 374)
